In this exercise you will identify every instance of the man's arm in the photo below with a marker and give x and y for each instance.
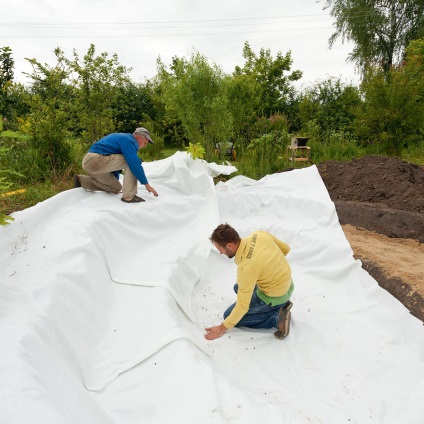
(136, 166)
(134, 162)
(246, 278)
(284, 247)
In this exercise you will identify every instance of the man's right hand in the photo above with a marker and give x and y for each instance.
(215, 332)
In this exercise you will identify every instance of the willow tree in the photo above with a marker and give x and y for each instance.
(380, 30)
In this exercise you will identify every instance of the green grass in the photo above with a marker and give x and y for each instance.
(170, 151)
(414, 154)
(34, 193)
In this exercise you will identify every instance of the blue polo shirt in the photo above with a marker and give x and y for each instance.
(122, 144)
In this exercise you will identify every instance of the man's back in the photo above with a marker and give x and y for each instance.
(261, 260)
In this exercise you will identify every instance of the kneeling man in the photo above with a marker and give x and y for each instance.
(264, 284)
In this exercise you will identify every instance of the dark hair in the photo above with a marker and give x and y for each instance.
(224, 234)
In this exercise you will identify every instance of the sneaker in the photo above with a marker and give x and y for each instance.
(77, 183)
(284, 317)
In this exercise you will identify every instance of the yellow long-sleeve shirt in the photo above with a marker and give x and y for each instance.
(261, 260)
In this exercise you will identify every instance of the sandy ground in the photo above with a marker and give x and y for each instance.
(399, 260)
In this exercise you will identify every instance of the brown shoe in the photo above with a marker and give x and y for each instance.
(135, 199)
(284, 317)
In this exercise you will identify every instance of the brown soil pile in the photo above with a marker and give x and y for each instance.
(385, 196)
(378, 193)
(376, 179)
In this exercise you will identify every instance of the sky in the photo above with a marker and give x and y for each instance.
(141, 31)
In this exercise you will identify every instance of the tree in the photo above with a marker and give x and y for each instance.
(17, 105)
(97, 81)
(331, 104)
(268, 76)
(49, 116)
(243, 104)
(133, 104)
(414, 66)
(193, 92)
(392, 113)
(379, 29)
(6, 66)
(6, 77)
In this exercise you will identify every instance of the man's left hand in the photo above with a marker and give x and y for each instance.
(215, 332)
(150, 189)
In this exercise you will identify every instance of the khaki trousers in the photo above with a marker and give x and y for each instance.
(99, 168)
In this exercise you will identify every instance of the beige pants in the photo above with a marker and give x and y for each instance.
(99, 168)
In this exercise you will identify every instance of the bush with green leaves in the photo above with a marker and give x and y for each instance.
(271, 78)
(330, 104)
(21, 157)
(392, 114)
(4, 186)
(98, 83)
(264, 155)
(194, 93)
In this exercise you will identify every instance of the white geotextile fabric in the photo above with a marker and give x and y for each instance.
(103, 306)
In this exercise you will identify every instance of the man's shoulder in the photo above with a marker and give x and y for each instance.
(120, 139)
(119, 136)
(261, 239)
(259, 234)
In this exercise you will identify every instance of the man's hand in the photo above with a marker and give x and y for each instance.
(215, 332)
(150, 189)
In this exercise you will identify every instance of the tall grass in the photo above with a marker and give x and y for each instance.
(264, 155)
(33, 194)
(335, 146)
(414, 153)
(267, 155)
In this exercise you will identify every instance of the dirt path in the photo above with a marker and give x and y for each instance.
(400, 258)
(396, 264)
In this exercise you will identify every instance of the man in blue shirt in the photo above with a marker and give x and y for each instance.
(108, 156)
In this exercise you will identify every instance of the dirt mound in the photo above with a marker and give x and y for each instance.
(376, 179)
(378, 193)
